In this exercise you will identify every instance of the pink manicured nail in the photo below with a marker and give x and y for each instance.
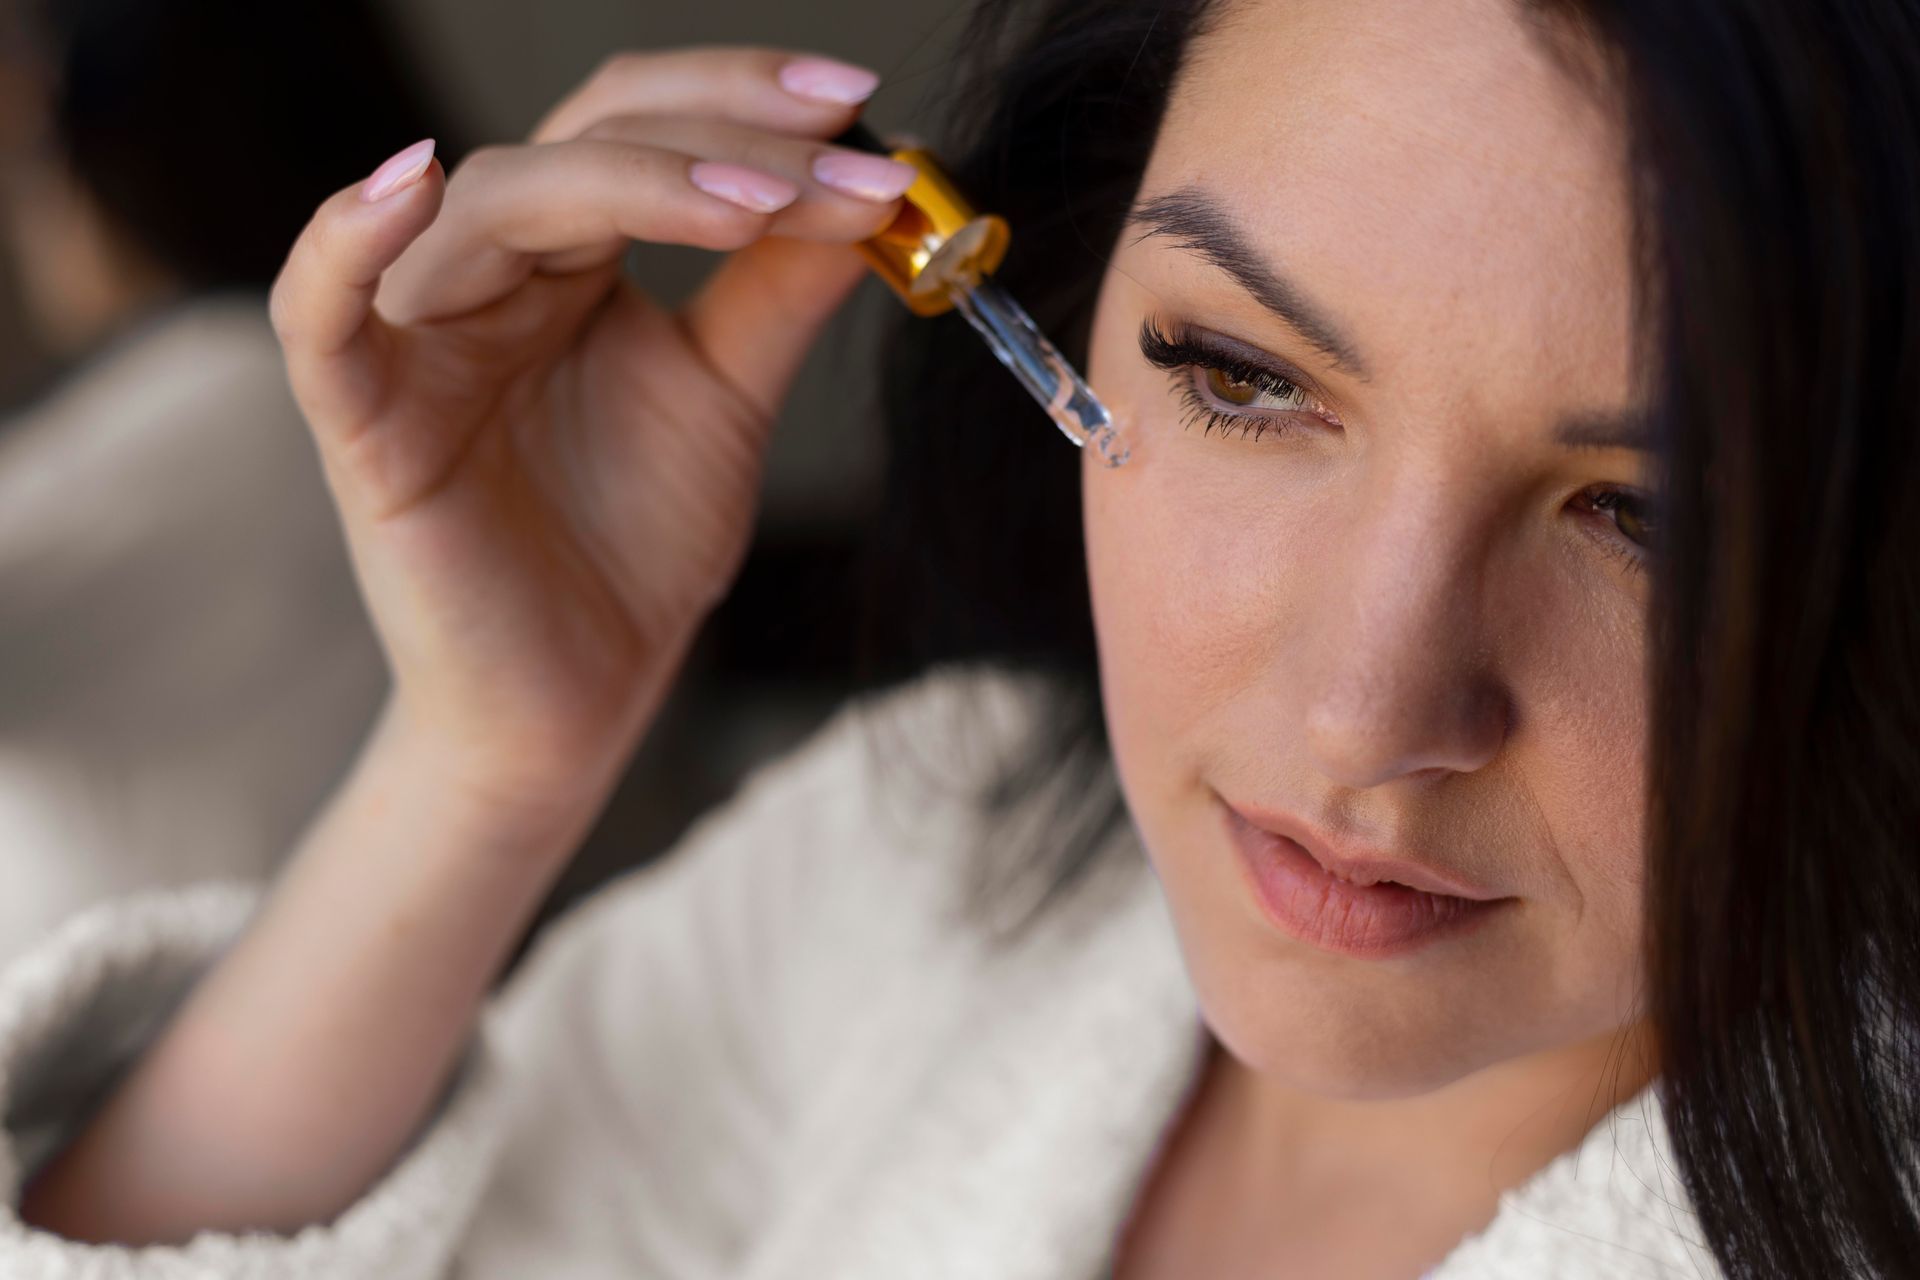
(858, 174)
(748, 188)
(825, 80)
(398, 173)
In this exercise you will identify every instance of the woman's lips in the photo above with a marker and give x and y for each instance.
(1371, 921)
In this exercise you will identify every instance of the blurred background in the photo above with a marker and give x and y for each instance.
(184, 667)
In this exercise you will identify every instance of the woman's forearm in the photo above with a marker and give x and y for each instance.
(546, 481)
(304, 1062)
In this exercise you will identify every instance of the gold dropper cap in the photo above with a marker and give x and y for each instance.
(937, 240)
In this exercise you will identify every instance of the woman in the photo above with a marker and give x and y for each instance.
(1487, 412)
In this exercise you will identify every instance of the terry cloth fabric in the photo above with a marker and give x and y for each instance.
(785, 1053)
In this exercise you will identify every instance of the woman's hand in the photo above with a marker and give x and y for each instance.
(547, 480)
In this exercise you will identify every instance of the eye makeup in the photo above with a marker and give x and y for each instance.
(1228, 385)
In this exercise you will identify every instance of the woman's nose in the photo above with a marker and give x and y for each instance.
(1402, 677)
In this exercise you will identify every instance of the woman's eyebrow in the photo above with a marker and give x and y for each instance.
(1628, 429)
(1193, 220)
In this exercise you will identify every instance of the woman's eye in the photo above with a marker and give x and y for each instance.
(1635, 522)
(1223, 389)
(1242, 392)
(1231, 389)
(1630, 513)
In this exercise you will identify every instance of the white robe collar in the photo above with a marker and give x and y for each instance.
(1038, 1107)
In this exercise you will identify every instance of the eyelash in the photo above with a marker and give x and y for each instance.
(1630, 553)
(1184, 353)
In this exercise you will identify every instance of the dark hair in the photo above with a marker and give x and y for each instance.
(975, 555)
(1777, 155)
(1775, 164)
(269, 105)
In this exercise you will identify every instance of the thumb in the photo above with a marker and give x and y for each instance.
(757, 315)
(338, 350)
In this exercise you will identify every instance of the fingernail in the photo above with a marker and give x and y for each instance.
(748, 188)
(399, 173)
(858, 174)
(825, 80)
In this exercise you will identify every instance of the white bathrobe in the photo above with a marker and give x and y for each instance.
(783, 1054)
(185, 666)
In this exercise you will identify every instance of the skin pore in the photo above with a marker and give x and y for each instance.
(1390, 600)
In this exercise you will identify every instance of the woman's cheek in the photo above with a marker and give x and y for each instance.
(1192, 597)
(1574, 659)
(1171, 595)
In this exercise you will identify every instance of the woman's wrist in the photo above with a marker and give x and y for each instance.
(508, 768)
(497, 798)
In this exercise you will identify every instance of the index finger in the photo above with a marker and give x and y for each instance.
(774, 89)
(322, 301)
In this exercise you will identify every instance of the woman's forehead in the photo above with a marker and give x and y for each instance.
(1429, 168)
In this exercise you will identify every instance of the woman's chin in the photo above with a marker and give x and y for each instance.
(1339, 1057)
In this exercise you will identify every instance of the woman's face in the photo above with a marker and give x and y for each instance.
(1395, 608)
